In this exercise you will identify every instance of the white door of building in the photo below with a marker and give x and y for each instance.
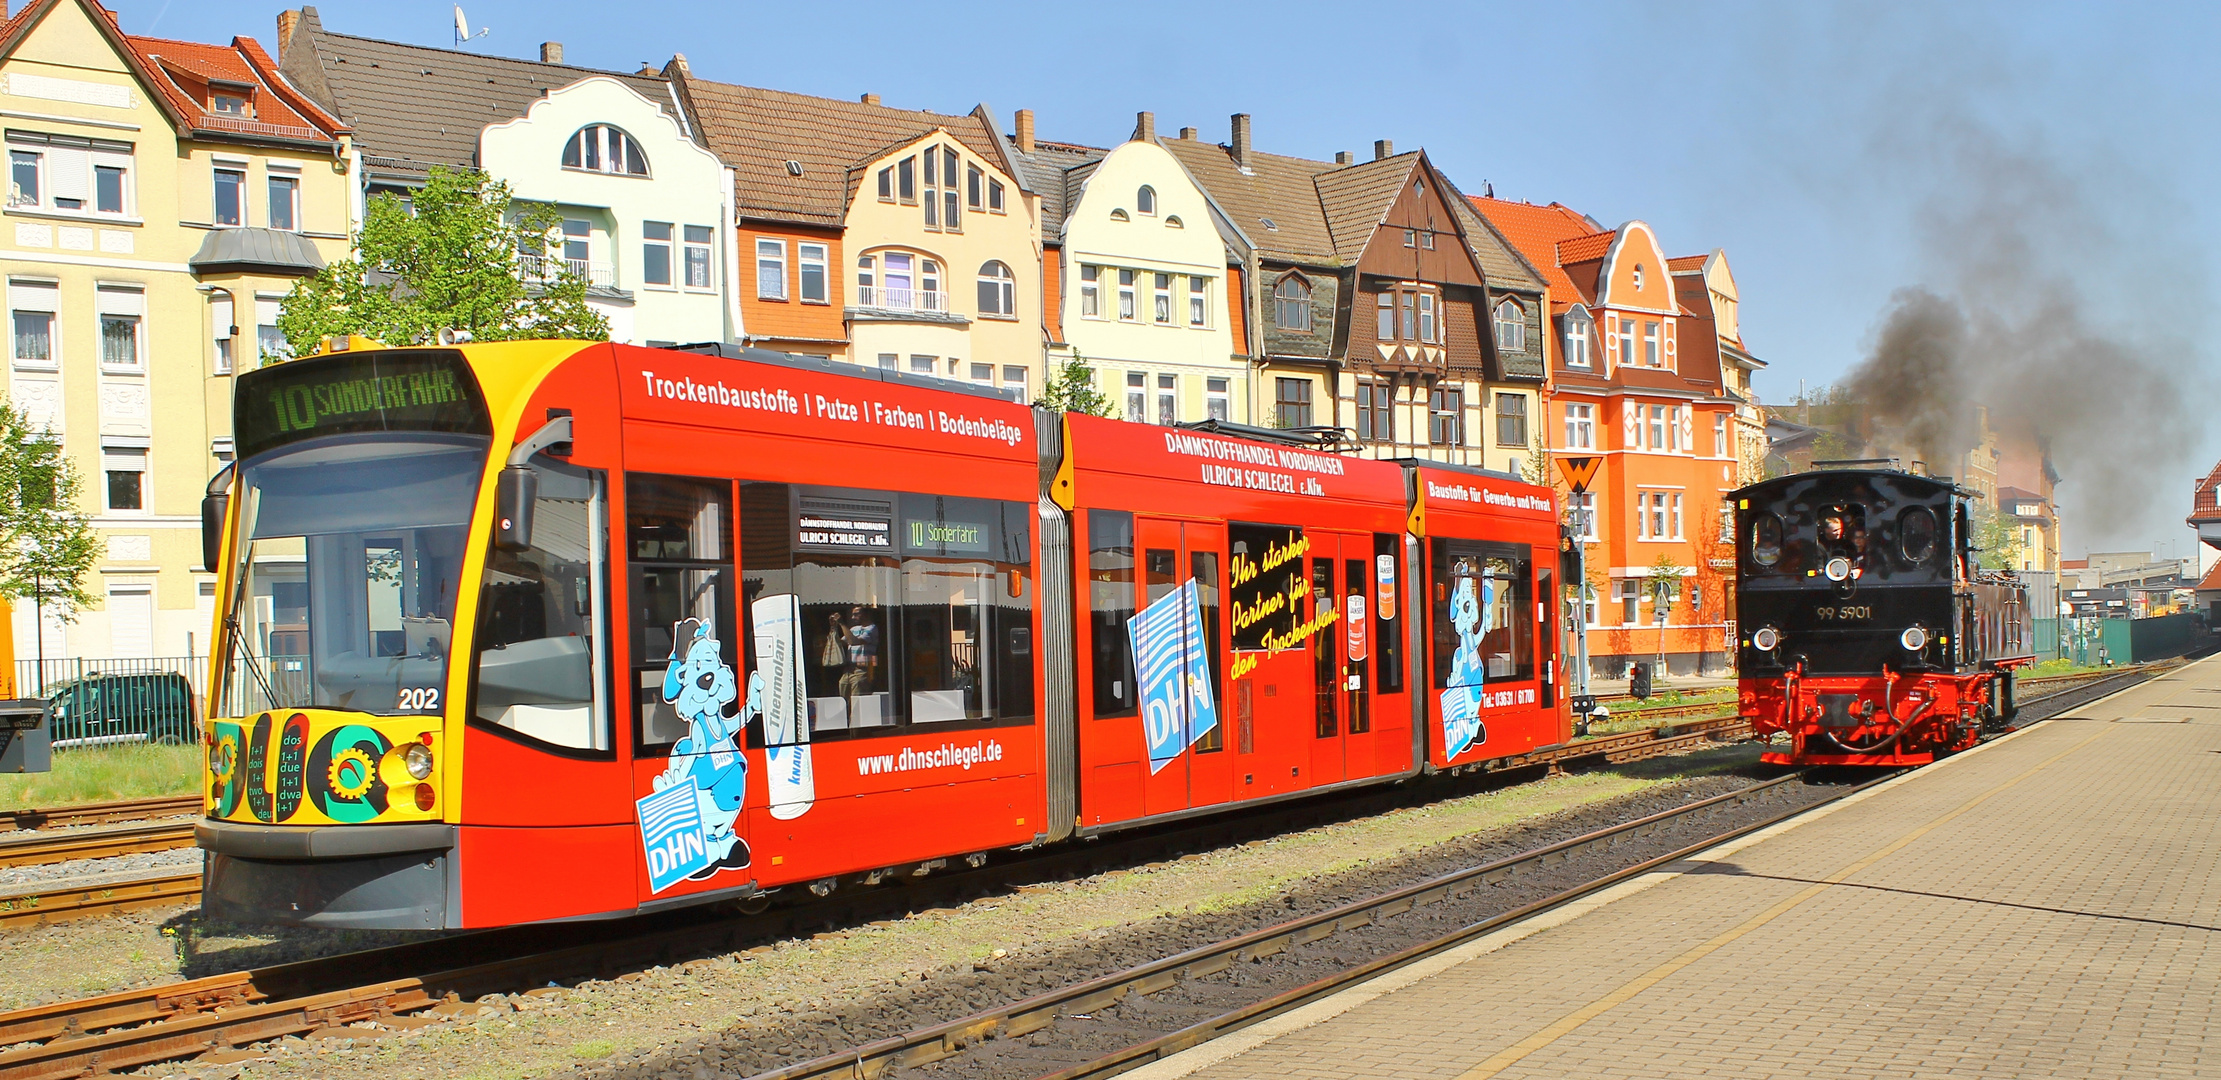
(130, 622)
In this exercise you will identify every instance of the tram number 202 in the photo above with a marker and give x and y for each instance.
(419, 699)
(1844, 613)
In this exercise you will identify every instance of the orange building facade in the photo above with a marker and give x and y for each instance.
(1640, 379)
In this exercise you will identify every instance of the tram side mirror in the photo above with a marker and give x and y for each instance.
(515, 491)
(213, 510)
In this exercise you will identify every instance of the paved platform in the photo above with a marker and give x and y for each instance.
(2046, 905)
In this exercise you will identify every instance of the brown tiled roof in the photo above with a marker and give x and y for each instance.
(757, 131)
(1050, 172)
(1686, 263)
(413, 106)
(1282, 189)
(1356, 199)
(2208, 583)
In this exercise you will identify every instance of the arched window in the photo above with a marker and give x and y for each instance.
(1292, 303)
(605, 148)
(1120, 215)
(1174, 222)
(997, 290)
(1511, 327)
(1145, 200)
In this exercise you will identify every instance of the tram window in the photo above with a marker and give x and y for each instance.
(1388, 632)
(914, 608)
(1355, 578)
(540, 665)
(1480, 592)
(1326, 667)
(1205, 567)
(678, 533)
(1110, 605)
(1265, 585)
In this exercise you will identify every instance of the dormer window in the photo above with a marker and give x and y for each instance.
(1511, 327)
(231, 105)
(605, 148)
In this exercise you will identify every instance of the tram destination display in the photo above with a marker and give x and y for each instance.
(354, 392)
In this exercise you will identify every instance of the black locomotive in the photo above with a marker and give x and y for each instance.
(1865, 630)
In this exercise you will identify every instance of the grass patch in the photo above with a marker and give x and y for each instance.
(2061, 666)
(592, 1049)
(105, 773)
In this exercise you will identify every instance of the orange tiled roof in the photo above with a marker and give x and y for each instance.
(279, 111)
(1586, 248)
(1536, 231)
(2074, 564)
(1686, 262)
(2210, 582)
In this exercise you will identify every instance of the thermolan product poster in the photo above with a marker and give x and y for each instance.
(1174, 674)
(792, 780)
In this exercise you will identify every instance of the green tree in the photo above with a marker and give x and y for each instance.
(1998, 540)
(47, 546)
(460, 255)
(1071, 388)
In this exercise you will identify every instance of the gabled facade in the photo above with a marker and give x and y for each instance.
(162, 196)
(1372, 308)
(1143, 276)
(646, 212)
(1652, 386)
(645, 209)
(885, 237)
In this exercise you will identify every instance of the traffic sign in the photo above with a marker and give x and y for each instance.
(1578, 471)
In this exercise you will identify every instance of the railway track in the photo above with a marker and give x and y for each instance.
(100, 813)
(1085, 1001)
(66, 900)
(134, 1028)
(95, 844)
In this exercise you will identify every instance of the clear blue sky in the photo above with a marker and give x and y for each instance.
(1836, 153)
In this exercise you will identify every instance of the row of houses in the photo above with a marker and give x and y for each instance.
(166, 195)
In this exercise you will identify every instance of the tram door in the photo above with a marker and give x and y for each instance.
(1186, 730)
(1341, 690)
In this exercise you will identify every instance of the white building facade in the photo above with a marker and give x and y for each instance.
(647, 213)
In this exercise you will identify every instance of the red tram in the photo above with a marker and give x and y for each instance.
(547, 630)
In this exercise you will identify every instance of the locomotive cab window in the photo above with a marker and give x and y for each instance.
(1766, 535)
(541, 667)
(1482, 599)
(1916, 534)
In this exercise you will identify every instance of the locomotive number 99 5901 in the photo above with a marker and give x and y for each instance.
(1844, 613)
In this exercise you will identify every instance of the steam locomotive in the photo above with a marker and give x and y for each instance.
(1866, 632)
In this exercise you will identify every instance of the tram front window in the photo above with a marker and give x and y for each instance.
(349, 565)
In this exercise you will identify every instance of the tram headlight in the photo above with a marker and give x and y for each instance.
(1765, 639)
(1913, 639)
(1839, 568)
(417, 758)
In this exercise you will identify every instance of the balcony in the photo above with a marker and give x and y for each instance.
(885, 302)
(542, 269)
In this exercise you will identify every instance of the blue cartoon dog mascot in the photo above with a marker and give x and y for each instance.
(700, 687)
(1461, 701)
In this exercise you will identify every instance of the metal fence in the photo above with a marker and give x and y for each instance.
(101, 702)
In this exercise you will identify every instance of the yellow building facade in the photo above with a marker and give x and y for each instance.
(163, 197)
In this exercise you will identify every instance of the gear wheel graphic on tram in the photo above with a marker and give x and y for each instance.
(352, 773)
(225, 757)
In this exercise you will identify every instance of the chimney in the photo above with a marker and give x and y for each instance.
(1241, 139)
(678, 60)
(1342, 157)
(287, 20)
(869, 99)
(1187, 134)
(1145, 126)
(1025, 131)
(551, 52)
(1382, 148)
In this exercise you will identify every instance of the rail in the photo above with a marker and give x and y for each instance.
(100, 813)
